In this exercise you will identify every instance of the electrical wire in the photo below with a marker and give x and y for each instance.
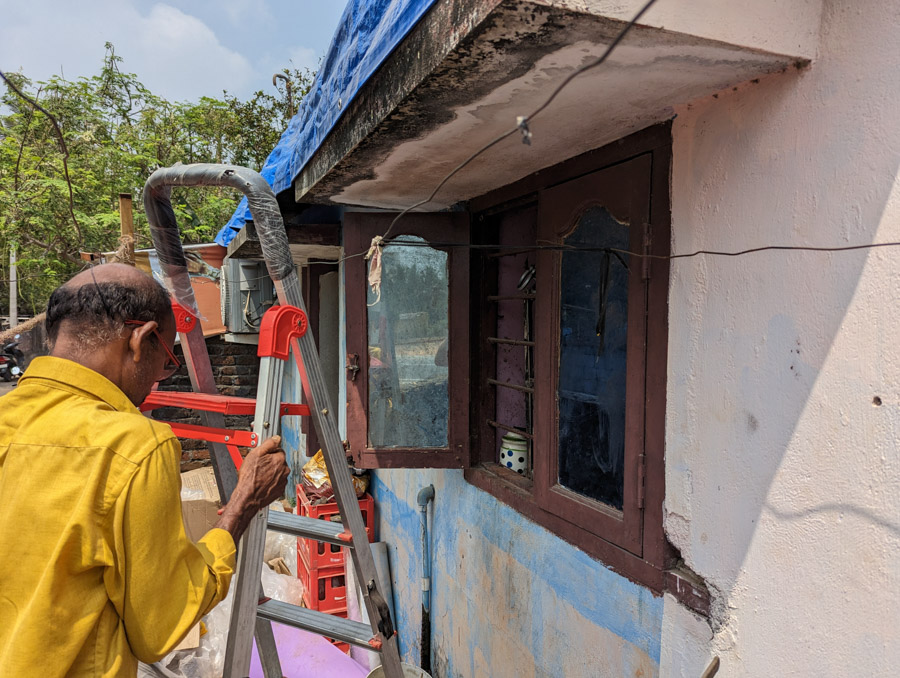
(522, 126)
(563, 248)
(522, 122)
(641, 255)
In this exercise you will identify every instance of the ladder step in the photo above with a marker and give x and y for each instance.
(311, 528)
(209, 402)
(346, 630)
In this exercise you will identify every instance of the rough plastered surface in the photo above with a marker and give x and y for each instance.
(772, 26)
(506, 67)
(782, 470)
(510, 600)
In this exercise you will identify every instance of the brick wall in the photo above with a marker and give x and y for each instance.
(236, 369)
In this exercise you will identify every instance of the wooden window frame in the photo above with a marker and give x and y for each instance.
(559, 210)
(359, 229)
(640, 551)
(636, 547)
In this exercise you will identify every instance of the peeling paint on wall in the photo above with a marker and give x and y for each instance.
(509, 598)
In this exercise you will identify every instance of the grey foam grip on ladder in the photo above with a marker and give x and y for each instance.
(262, 202)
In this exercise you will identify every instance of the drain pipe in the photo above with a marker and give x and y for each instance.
(426, 495)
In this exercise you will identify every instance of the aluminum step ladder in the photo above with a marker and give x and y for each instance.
(285, 335)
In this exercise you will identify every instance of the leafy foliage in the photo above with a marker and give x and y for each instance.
(117, 132)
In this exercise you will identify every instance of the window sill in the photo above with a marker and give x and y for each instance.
(515, 491)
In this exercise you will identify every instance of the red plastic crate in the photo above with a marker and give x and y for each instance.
(325, 588)
(342, 646)
(319, 554)
(339, 644)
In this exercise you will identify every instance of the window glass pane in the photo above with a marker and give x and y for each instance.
(593, 339)
(408, 340)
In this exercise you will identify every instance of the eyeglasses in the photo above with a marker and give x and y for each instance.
(172, 365)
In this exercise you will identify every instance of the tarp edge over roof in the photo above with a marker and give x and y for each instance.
(368, 32)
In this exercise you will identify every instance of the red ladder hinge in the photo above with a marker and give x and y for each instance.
(280, 326)
(185, 321)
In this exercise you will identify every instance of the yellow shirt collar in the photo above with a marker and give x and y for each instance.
(75, 378)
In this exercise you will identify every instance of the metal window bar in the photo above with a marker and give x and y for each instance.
(511, 429)
(527, 297)
(506, 384)
(509, 253)
(510, 342)
(511, 297)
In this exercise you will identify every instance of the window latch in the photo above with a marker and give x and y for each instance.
(352, 365)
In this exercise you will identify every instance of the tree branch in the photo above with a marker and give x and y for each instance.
(22, 144)
(31, 240)
(62, 143)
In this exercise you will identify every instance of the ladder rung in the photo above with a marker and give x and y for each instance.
(209, 402)
(346, 630)
(312, 528)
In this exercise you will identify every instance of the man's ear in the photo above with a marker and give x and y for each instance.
(135, 342)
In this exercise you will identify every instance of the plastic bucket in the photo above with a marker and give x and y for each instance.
(409, 671)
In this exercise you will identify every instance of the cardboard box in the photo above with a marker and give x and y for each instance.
(191, 640)
(200, 515)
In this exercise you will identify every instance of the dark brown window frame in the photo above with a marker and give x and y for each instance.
(359, 229)
(643, 555)
(653, 563)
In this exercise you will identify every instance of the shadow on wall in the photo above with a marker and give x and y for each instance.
(770, 405)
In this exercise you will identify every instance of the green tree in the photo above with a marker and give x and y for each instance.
(116, 132)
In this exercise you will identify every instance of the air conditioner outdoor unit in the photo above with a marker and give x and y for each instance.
(247, 292)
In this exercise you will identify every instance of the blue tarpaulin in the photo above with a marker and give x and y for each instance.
(369, 30)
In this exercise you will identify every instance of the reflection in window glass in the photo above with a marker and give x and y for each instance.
(592, 360)
(408, 342)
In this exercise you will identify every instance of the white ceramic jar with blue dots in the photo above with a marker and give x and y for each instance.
(514, 453)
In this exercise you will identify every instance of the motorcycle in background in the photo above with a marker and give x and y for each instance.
(12, 360)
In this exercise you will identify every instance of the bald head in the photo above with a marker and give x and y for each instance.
(94, 305)
(112, 273)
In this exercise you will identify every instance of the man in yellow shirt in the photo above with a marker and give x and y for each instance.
(96, 572)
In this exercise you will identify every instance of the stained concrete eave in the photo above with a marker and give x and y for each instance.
(470, 67)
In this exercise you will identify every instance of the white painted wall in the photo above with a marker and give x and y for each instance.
(774, 26)
(783, 477)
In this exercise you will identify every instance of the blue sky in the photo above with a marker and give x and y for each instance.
(180, 49)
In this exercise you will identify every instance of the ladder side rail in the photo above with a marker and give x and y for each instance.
(325, 420)
(202, 381)
(196, 357)
(246, 584)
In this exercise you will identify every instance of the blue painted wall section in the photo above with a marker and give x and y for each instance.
(508, 597)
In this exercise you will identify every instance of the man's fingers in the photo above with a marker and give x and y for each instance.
(270, 445)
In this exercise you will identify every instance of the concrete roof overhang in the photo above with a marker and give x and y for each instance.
(470, 67)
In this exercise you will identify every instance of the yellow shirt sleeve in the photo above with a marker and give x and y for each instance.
(162, 583)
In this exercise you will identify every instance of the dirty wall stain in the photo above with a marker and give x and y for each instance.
(508, 597)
